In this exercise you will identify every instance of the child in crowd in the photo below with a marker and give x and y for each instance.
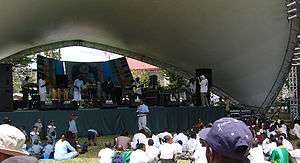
(34, 135)
(39, 124)
(36, 149)
(51, 131)
(48, 150)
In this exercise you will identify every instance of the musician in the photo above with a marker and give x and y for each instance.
(203, 90)
(42, 89)
(78, 85)
(25, 91)
(137, 88)
(107, 87)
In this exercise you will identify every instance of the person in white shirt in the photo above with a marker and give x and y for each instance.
(200, 155)
(42, 89)
(106, 154)
(48, 149)
(193, 143)
(78, 85)
(72, 124)
(167, 151)
(256, 153)
(62, 148)
(155, 138)
(178, 146)
(34, 134)
(296, 152)
(152, 152)
(163, 134)
(270, 146)
(183, 138)
(203, 90)
(287, 144)
(139, 155)
(296, 130)
(139, 137)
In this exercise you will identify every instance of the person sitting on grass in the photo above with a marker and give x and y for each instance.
(106, 155)
(62, 148)
(139, 155)
(36, 149)
(123, 140)
(48, 150)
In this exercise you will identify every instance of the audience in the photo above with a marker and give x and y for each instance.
(92, 134)
(296, 152)
(226, 140)
(139, 155)
(48, 150)
(167, 150)
(11, 142)
(51, 131)
(123, 140)
(36, 149)
(72, 124)
(280, 154)
(63, 150)
(152, 151)
(34, 134)
(106, 154)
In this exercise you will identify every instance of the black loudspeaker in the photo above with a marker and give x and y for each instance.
(6, 88)
(153, 80)
(208, 74)
(62, 81)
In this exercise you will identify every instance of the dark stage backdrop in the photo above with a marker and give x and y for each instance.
(113, 121)
(57, 72)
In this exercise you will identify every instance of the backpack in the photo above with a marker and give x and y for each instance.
(118, 158)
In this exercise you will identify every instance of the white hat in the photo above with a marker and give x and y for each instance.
(11, 140)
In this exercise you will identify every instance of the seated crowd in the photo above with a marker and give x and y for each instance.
(226, 140)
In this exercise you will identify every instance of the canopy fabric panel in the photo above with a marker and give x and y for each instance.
(244, 42)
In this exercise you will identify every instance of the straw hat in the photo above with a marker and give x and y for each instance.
(11, 140)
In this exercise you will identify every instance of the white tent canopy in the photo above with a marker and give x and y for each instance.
(245, 42)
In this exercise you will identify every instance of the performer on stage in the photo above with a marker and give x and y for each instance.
(137, 88)
(142, 112)
(42, 89)
(78, 84)
(203, 90)
(25, 91)
(107, 87)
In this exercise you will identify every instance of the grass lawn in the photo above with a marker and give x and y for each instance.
(92, 155)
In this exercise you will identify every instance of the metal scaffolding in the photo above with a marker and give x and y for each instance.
(293, 86)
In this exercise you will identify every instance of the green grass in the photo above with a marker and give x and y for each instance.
(92, 155)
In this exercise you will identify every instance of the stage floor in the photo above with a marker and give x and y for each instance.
(113, 121)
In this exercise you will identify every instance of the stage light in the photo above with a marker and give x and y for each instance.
(291, 4)
(292, 17)
(292, 10)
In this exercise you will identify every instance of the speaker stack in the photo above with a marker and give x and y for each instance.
(6, 88)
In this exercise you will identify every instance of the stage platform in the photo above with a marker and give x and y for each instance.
(113, 121)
